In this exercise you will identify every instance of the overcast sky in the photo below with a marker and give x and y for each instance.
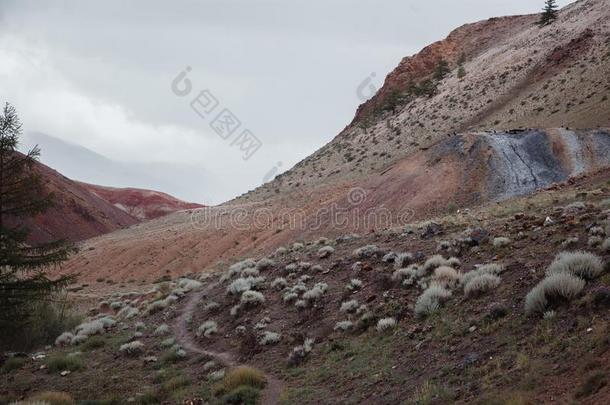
(98, 74)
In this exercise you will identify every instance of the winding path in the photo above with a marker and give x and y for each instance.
(272, 391)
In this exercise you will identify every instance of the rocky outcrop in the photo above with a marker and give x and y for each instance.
(463, 43)
(527, 161)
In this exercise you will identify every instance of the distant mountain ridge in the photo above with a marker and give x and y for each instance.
(139, 203)
(76, 214)
(82, 164)
(81, 211)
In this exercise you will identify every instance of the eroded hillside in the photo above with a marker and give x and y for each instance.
(515, 75)
(461, 171)
(451, 311)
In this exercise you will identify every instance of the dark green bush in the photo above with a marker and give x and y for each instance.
(13, 363)
(43, 322)
(243, 395)
(61, 363)
(94, 342)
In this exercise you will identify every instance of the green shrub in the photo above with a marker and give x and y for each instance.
(42, 323)
(61, 363)
(592, 385)
(94, 342)
(149, 398)
(175, 383)
(13, 363)
(243, 395)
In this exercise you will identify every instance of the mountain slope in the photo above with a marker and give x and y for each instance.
(142, 204)
(416, 160)
(76, 214)
(465, 170)
(517, 75)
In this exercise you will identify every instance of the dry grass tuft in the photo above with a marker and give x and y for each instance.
(480, 284)
(244, 376)
(431, 300)
(446, 276)
(581, 264)
(53, 398)
(555, 286)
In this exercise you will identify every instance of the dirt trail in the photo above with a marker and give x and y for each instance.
(273, 389)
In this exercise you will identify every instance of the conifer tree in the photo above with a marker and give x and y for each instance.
(549, 14)
(23, 279)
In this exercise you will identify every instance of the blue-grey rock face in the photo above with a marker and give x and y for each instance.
(524, 162)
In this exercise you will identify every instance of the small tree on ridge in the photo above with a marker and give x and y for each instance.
(549, 15)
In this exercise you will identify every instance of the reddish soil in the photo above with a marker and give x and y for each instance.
(463, 171)
(142, 204)
(77, 214)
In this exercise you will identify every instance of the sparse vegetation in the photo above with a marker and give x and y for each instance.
(481, 284)
(492, 269)
(207, 329)
(354, 284)
(269, 338)
(344, 325)
(134, 348)
(52, 398)
(241, 395)
(385, 324)
(279, 283)
(561, 285)
(300, 353)
(402, 260)
(94, 343)
(244, 376)
(59, 363)
(349, 306)
(161, 330)
(446, 276)
(581, 264)
(365, 251)
(431, 300)
(501, 242)
(13, 363)
(252, 298)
